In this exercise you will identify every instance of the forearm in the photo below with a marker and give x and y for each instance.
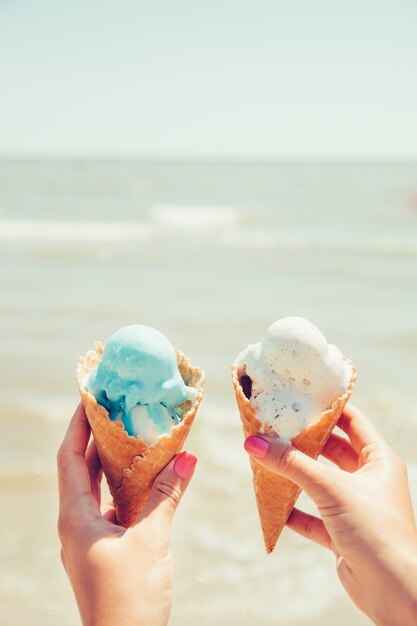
(116, 603)
(106, 598)
(402, 611)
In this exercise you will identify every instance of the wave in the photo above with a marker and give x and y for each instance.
(311, 242)
(162, 218)
(194, 217)
(214, 226)
(59, 231)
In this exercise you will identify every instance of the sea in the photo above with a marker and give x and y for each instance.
(210, 253)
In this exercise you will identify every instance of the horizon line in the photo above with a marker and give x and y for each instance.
(178, 158)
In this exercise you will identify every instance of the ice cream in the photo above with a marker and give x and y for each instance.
(138, 382)
(294, 375)
(295, 385)
(141, 397)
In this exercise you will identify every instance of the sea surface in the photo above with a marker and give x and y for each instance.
(211, 254)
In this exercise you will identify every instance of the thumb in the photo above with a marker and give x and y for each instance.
(282, 458)
(168, 489)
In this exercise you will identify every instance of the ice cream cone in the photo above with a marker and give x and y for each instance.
(276, 495)
(130, 465)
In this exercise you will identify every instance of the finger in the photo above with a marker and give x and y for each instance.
(78, 432)
(281, 458)
(93, 461)
(95, 470)
(63, 559)
(309, 526)
(359, 429)
(167, 491)
(73, 476)
(340, 452)
(107, 506)
(110, 515)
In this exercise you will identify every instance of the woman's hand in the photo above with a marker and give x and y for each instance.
(366, 514)
(119, 576)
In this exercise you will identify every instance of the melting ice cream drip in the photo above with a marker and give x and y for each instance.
(138, 382)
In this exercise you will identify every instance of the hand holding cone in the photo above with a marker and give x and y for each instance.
(130, 465)
(276, 495)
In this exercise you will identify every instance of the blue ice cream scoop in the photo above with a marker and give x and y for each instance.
(138, 382)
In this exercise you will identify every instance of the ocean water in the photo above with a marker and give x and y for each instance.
(211, 254)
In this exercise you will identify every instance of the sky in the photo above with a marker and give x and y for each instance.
(280, 79)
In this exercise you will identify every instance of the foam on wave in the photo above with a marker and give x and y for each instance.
(219, 226)
(194, 217)
(60, 231)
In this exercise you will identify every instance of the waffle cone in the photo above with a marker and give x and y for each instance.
(130, 465)
(276, 495)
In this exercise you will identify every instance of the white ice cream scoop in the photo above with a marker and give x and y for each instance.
(293, 375)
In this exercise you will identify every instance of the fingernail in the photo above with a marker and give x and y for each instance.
(256, 446)
(185, 464)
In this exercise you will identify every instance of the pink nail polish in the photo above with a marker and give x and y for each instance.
(185, 464)
(256, 446)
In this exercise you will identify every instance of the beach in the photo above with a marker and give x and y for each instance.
(210, 253)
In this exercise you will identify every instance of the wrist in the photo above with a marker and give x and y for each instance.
(125, 617)
(397, 599)
(125, 609)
